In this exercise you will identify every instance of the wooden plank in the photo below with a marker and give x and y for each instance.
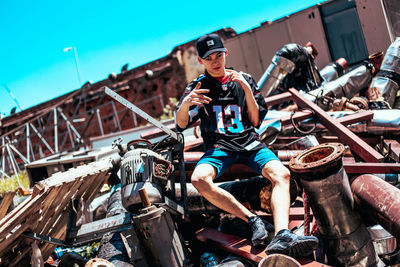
(361, 148)
(23, 214)
(8, 240)
(52, 212)
(99, 180)
(5, 203)
(51, 196)
(16, 210)
(11, 237)
(58, 232)
(70, 190)
(393, 147)
(50, 201)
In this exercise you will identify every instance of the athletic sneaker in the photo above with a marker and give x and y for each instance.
(260, 234)
(285, 242)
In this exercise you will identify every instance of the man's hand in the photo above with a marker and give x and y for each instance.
(252, 106)
(235, 76)
(197, 97)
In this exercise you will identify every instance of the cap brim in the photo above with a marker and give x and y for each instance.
(213, 51)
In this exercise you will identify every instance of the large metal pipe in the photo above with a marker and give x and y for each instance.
(160, 238)
(386, 82)
(379, 199)
(347, 86)
(292, 66)
(346, 239)
(274, 75)
(334, 70)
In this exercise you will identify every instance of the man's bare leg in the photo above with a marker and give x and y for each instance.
(202, 180)
(279, 175)
(284, 242)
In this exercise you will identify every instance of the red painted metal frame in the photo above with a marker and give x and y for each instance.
(277, 99)
(241, 246)
(360, 147)
(393, 147)
(346, 120)
(243, 171)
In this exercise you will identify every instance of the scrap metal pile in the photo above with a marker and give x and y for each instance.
(337, 131)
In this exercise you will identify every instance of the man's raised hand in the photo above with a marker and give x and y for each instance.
(197, 97)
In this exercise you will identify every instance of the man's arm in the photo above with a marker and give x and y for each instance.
(252, 106)
(195, 97)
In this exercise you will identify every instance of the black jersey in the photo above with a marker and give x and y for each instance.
(224, 121)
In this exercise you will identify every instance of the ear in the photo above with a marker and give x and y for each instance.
(226, 53)
(200, 60)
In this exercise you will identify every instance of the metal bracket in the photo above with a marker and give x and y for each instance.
(141, 113)
(47, 239)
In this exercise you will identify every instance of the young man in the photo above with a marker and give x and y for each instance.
(230, 106)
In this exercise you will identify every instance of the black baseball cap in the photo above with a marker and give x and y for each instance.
(208, 44)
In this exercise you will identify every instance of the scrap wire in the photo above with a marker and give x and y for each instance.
(297, 128)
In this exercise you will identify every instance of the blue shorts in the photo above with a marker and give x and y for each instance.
(222, 159)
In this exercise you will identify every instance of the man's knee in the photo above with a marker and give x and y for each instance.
(202, 178)
(276, 172)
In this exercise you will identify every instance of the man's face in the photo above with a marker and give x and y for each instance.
(215, 64)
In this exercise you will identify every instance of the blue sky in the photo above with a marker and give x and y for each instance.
(107, 35)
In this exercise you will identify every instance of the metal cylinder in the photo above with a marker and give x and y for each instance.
(139, 170)
(379, 199)
(160, 238)
(387, 80)
(347, 85)
(274, 75)
(346, 239)
(334, 70)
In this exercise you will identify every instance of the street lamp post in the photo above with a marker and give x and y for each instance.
(76, 61)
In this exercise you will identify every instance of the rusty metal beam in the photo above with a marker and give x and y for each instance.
(277, 99)
(323, 139)
(345, 120)
(393, 148)
(242, 247)
(241, 171)
(369, 167)
(360, 147)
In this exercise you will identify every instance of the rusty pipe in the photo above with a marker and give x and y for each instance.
(325, 182)
(379, 199)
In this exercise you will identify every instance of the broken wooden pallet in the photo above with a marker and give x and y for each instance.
(45, 211)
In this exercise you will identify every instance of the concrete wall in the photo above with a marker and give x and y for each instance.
(373, 23)
(253, 50)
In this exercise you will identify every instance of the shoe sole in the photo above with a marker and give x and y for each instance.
(263, 241)
(297, 249)
(260, 242)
